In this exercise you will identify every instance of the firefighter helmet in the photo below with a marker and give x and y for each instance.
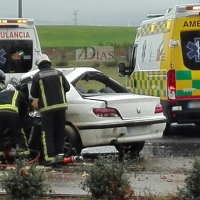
(2, 76)
(42, 58)
(13, 83)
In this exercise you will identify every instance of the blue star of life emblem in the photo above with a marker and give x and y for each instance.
(194, 50)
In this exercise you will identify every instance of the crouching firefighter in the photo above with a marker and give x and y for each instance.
(13, 105)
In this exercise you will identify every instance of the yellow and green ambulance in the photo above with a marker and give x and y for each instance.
(165, 62)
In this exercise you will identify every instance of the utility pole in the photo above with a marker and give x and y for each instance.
(75, 17)
(20, 8)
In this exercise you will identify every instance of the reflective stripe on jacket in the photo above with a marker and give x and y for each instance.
(50, 86)
(8, 100)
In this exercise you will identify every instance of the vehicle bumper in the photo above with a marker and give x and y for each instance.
(185, 115)
(121, 135)
(121, 123)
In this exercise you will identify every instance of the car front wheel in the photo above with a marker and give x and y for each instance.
(132, 149)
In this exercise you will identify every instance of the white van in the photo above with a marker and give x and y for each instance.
(19, 45)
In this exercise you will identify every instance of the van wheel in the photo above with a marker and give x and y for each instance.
(132, 149)
(70, 141)
(167, 129)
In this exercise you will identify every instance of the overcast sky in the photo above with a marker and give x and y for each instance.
(88, 12)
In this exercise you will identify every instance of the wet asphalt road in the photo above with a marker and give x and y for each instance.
(182, 141)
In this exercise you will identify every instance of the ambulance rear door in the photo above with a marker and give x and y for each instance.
(187, 64)
(187, 54)
(18, 47)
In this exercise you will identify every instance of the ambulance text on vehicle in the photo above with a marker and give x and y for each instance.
(19, 45)
(165, 62)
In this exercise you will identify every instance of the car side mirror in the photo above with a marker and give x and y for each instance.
(121, 69)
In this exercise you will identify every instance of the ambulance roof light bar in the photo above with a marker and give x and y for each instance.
(184, 8)
(16, 21)
(193, 8)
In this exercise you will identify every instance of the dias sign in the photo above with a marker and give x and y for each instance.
(95, 53)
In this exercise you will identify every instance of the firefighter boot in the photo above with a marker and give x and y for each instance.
(20, 153)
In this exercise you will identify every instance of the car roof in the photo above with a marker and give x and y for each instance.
(70, 73)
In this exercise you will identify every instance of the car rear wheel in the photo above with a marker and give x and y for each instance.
(132, 149)
(70, 141)
(167, 129)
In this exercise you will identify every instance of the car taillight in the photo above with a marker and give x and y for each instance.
(105, 112)
(158, 109)
(171, 85)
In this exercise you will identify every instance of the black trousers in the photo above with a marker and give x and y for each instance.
(53, 128)
(35, 141)
(35, 137)
(12, 121)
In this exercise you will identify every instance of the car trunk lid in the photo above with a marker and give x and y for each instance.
(129, 105)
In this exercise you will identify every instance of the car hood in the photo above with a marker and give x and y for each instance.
(129, 105)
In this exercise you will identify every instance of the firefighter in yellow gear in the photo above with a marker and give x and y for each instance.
(48, 90)
(13, 106)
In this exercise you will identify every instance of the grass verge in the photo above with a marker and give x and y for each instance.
(78, 36)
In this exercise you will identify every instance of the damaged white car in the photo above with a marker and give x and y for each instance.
(103, 112)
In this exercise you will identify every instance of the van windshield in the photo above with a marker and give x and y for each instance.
(16, 56)
(190, 43)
